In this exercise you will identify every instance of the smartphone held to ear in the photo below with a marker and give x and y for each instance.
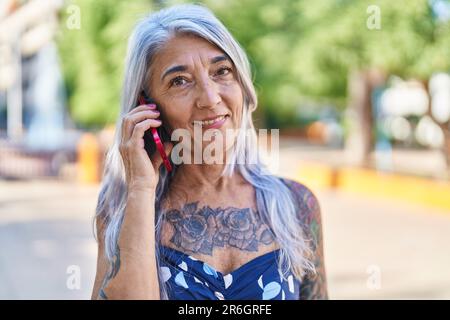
(155, 137)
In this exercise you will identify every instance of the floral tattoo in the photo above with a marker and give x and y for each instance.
(202, 229)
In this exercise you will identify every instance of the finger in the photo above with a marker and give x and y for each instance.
(135, 118)
(128, 125)
(125, 123)
(156, 157)
(142, 107)
(141, 127)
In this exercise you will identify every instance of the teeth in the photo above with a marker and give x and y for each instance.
(209, 122)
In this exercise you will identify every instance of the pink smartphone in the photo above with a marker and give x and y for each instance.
(154, 137)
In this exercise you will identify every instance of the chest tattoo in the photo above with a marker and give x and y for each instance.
(199, 230)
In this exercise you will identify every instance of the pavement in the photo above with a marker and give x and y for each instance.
(374, 248)
(46, 237)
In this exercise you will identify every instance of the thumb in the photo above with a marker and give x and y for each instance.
(157, 159)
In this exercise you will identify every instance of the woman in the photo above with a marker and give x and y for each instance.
(225, 230)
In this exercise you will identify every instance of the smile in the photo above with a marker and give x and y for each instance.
(211, 122)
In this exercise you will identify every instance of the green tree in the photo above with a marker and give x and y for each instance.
(338, 51)
(348, 48)
(299, 50)
(93, 56)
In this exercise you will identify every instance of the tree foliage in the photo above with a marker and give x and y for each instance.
(93, 57)
(300, 50)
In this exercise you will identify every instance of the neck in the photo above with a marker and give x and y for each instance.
(203, 177)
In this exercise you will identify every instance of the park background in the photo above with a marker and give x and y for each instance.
(360, 91)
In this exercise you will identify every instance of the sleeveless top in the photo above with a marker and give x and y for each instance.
(188, 278)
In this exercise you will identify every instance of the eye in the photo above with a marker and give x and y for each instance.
(221, 71)
(176, 81)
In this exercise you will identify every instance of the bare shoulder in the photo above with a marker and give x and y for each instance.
(314, 285)
(305, 201)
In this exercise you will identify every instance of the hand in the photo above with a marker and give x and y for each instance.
(141, 172)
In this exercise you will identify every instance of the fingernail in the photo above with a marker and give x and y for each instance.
(151, 106)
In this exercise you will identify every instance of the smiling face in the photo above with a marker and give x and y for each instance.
(195, 82)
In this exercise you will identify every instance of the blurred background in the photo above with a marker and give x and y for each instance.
(360, 91)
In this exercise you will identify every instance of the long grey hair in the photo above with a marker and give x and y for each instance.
(275, 202)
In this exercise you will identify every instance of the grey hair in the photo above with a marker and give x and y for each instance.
(274, 200)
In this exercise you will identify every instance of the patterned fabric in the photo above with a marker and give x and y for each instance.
(188, 278)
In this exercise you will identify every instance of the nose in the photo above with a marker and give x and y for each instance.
(208, 94)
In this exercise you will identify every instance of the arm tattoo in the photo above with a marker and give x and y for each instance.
(114, 269)
(202, 229)
(313, 286)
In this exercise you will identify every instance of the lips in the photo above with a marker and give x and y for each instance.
(211, 121)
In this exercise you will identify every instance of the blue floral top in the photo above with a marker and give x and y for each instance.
(188, 278)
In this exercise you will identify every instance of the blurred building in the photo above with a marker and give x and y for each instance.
(33, 115)
(30, 78)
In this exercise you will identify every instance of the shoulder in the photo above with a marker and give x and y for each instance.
(314, 286)
(308, 209)
(305, 200)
